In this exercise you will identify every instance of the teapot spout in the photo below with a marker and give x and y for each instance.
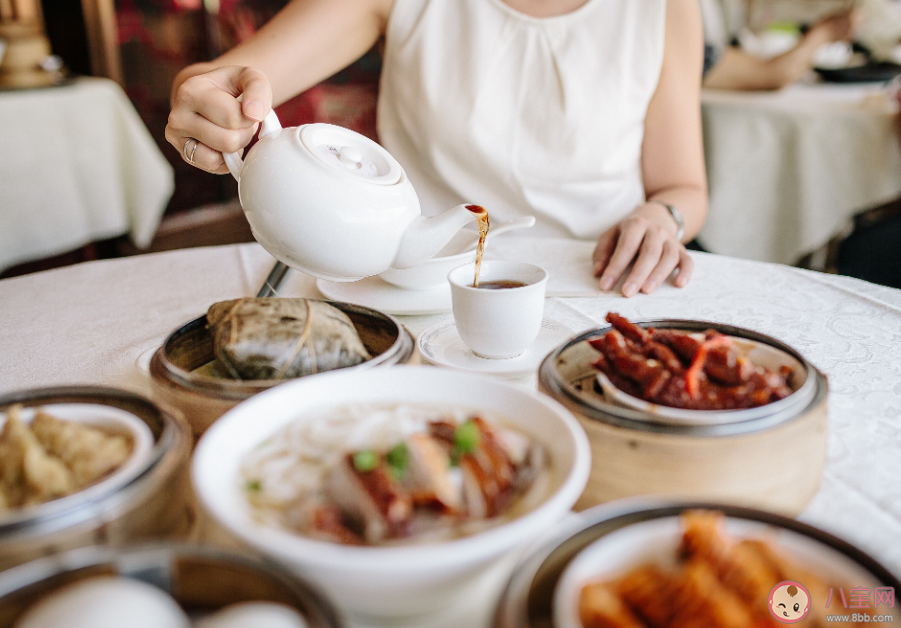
(426, 236)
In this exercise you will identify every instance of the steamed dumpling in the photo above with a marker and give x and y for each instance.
(89, 453)
(254, 615)
(28, 474)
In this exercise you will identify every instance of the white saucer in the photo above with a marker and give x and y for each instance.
(378, 294)
(441, 345)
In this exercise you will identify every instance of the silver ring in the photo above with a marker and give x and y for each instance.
(184, 150)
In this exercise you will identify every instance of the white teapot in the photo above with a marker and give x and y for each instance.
(334, 204)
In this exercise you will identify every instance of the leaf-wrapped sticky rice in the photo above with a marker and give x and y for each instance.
(278, 338)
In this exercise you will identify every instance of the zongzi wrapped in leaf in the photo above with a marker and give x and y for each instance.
(278, 338)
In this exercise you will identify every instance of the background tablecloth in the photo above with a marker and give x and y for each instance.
(788, 169)
(77, 164)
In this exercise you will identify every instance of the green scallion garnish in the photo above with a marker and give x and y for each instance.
(365, 460)
(253, 486)
(466, 438)
(398, 457)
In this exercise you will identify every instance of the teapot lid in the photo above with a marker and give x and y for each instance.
(351, 153)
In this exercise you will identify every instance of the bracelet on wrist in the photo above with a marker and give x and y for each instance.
(677, 217)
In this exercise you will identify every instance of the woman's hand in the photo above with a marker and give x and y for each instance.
(207, 119)
(305, 43)
(647, 236)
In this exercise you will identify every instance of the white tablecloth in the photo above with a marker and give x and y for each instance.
(788, 169)
(92, 323)
(77, 164)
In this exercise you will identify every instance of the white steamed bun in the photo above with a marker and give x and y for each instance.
(255, 614)
(106, 602)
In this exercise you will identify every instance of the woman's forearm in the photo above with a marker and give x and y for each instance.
(672, 152)
(305, 43)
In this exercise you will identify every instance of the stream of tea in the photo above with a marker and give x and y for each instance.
(484, 224)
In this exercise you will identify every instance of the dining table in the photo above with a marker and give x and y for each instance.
(78, 165)
(788, 169)
(97, 322)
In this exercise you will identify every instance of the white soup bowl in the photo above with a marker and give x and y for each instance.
(400, 580)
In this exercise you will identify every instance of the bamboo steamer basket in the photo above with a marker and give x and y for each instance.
(203, 398)
(773, 462)
(201, 579)
(156, 502)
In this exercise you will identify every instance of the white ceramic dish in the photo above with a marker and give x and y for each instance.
(460, 250)
(441, 345)
(406, 580)
(109, 419)
(759, 353)
(656, 541)
(375, 293)
(837, 55)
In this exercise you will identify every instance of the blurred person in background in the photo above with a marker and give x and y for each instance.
(735, 59)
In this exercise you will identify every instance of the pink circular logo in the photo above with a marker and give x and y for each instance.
(789, 602)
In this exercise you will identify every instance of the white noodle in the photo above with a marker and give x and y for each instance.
(287, 471)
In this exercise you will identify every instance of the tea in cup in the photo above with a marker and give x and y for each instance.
(501, 317)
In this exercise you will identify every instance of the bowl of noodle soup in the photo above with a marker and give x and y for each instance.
(264, 466)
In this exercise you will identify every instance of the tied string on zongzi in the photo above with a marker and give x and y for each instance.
(231, 322)
(304, 338)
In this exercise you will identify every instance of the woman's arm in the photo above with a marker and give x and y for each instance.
(673, 167)
(308, 41)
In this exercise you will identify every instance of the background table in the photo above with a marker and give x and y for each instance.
(788, 169)
(77, 165)
(95, 323)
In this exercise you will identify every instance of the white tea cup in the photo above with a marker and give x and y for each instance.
(502, 317)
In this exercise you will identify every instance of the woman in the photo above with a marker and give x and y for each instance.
(585, 113)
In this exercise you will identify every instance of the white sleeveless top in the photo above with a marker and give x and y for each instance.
(543, 116)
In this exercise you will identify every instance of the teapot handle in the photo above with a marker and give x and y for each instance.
(271, 126)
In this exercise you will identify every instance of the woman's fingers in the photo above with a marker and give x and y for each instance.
(207, 118)
(201, 154)
(203, 157)
(686, 266)
(668, 261)
(214, 95)
(257, 93)
(649, 257)
(628, 241)
(604, 250)
(653, 253)
(213, 141)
